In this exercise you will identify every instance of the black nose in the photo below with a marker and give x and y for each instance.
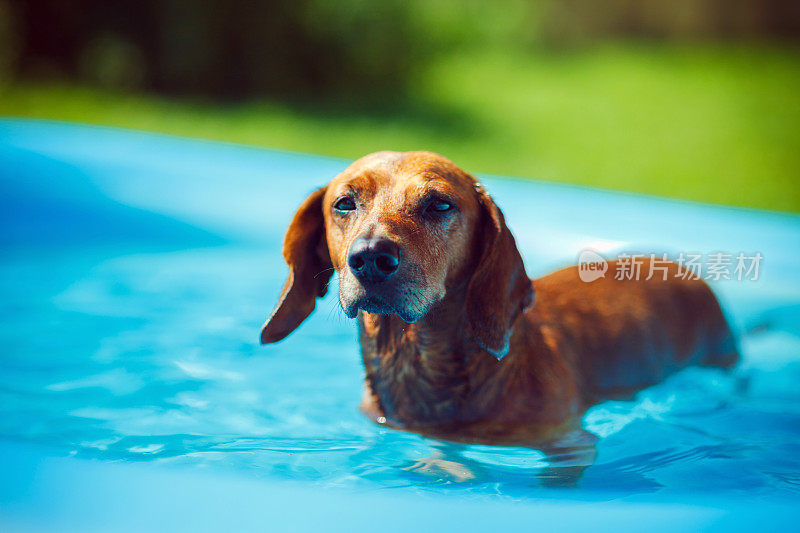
(373, 260)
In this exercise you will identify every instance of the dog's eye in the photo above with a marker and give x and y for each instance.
(345, 204)
(439, 206)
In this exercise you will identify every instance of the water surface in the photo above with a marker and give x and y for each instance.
(136, 271)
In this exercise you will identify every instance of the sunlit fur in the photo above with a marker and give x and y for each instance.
(457, 344)
(390, 190)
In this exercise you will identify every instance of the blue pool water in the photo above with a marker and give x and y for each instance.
(136, 270)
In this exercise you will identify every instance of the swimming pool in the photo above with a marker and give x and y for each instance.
(137, 269)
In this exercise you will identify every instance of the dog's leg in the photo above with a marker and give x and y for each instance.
(444, 463)
(568, 457)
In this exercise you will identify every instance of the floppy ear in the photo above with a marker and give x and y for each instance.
(305, 250)
(499, 289)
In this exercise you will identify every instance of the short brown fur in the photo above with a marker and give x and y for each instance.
(475, 357)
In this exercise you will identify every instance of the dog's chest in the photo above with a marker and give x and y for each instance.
(413, 385)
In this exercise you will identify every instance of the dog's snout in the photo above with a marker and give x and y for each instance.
(373, 260)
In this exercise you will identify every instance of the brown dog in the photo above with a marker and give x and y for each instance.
(452, 342)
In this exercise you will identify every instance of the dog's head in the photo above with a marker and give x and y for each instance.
(404, 231)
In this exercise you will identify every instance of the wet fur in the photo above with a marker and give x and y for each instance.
(487, 355)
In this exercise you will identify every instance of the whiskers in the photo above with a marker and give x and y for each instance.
(321, 272)
(334, 306)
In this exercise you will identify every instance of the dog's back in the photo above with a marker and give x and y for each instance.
(624, 334)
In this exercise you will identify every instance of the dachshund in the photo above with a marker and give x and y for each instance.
(457, 342)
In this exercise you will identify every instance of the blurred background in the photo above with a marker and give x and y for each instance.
(696, 99)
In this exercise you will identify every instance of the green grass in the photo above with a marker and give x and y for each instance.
(699, 122)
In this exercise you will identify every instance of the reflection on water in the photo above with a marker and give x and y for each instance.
(154, 357)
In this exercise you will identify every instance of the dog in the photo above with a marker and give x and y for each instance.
(457, 342)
